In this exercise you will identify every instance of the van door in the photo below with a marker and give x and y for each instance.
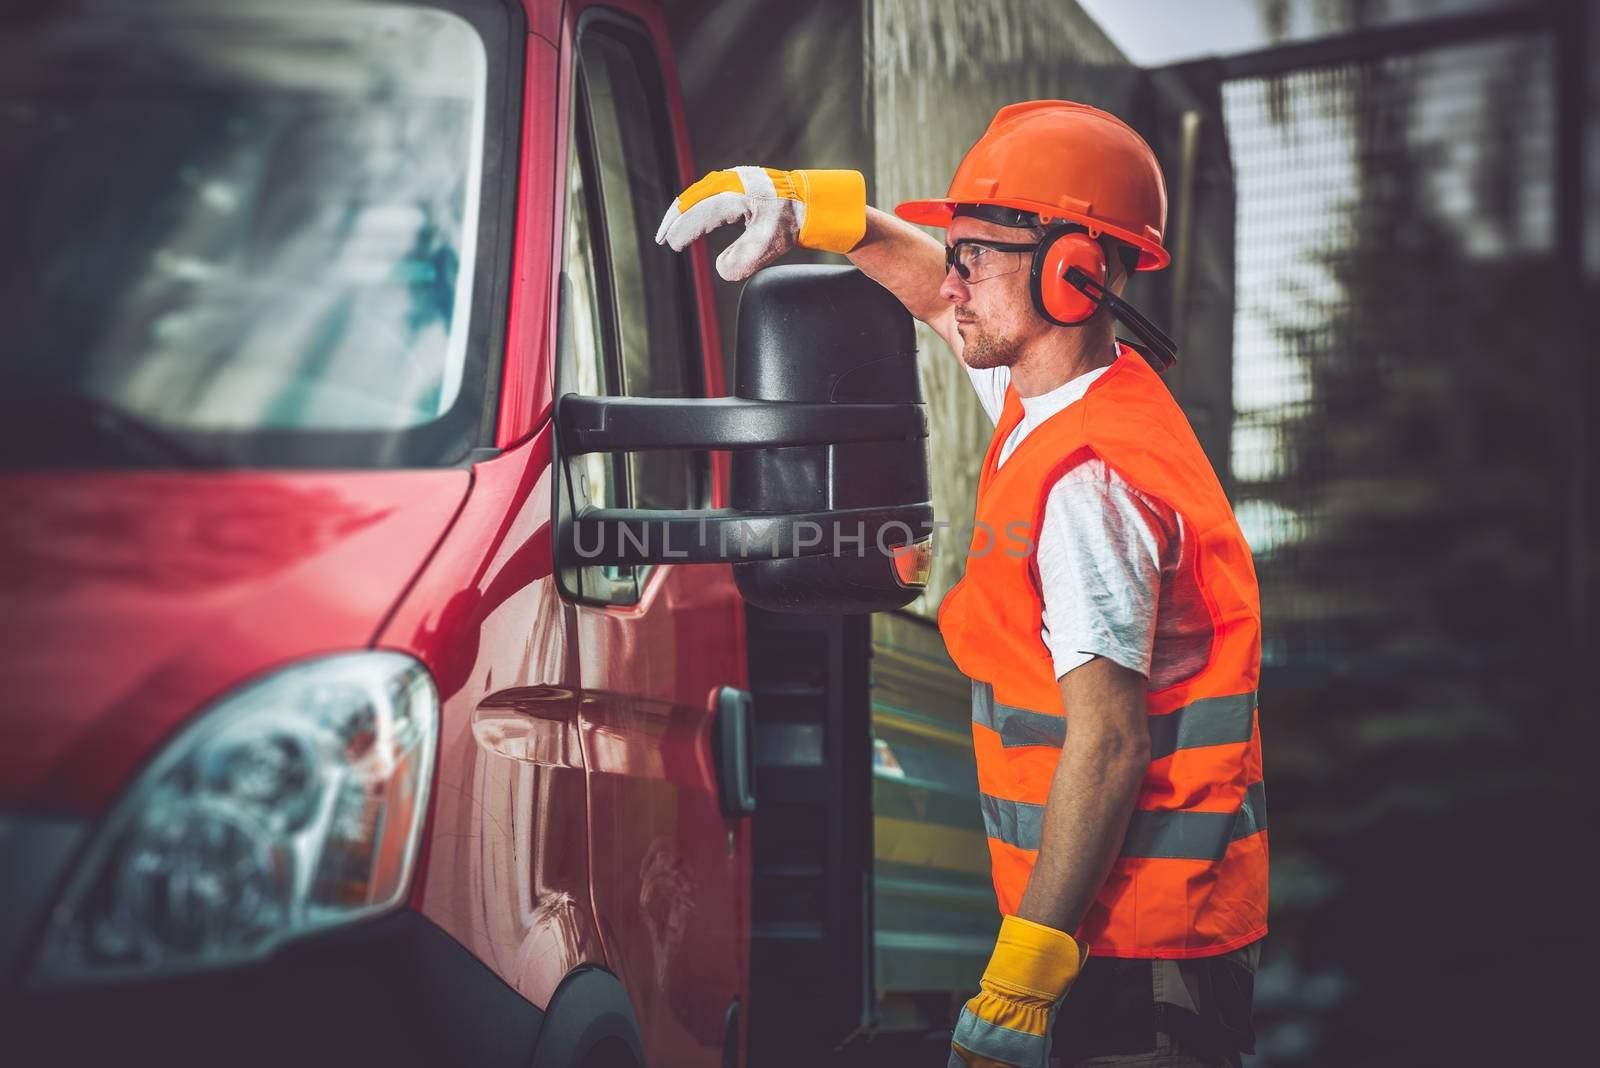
(659, 643)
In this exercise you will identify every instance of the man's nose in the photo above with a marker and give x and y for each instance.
(953, 288)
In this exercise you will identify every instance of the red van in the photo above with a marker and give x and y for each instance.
(363, 703)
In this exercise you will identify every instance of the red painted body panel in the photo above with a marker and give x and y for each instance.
(507, 870)
(527, 387)
(134, 598)
(670, 874)
(544, 17)
(575, 815)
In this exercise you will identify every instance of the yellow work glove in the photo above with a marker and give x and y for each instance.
(824, 210)
(1009, 1022)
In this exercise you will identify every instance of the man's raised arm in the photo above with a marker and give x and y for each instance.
(910, 264)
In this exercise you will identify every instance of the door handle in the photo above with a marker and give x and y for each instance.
(733, 745)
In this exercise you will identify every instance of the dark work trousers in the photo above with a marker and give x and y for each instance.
(1167, 1013)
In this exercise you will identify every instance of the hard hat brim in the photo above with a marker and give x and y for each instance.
(927, 212)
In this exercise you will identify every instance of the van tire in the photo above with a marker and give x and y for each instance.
(589, 1024)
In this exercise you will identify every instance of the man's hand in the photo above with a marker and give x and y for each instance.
(823, 210)
(1009, 1022)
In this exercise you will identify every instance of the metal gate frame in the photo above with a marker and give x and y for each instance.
(1566, 24)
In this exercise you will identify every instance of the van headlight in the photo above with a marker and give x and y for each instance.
(292, 805)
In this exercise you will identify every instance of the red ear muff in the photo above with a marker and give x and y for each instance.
(1069, 282)
(1061, 249)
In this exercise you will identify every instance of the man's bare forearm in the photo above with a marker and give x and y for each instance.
(905, 261)
(1091, 795)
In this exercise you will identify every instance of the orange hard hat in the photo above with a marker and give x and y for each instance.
(1063, 162)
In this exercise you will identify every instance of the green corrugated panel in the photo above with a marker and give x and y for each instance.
(934, 908)
(934, 931)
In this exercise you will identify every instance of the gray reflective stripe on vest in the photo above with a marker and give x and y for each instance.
(1253, 815)
(1003, 1044)
(1015, 726)
(1016, 823)
(1170, 835)
(1208, 721)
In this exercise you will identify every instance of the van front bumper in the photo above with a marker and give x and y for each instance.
(395, 991)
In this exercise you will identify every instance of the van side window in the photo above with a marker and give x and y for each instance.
(627, 312)
(636, 171)
(586, 364)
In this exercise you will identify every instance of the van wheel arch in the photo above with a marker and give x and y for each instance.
(589, 1024)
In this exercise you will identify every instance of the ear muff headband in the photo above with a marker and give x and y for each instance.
(1068, 282)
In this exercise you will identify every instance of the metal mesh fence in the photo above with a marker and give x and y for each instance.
(1398, 456)
(1395, 222)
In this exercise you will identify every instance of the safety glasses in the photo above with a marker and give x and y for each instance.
(976, 260)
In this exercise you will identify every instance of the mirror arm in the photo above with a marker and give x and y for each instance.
(627, 424)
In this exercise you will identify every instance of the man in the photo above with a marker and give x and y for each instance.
(1134, 619)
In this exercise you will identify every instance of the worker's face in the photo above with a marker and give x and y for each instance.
(995, 316)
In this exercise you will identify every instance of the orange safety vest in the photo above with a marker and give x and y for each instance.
(1191, 880)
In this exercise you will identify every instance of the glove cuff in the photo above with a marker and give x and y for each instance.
(836, 209)
(1033, 959)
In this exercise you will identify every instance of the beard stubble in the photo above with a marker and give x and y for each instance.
(984, 350)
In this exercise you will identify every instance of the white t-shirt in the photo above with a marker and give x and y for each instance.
(1115, 566)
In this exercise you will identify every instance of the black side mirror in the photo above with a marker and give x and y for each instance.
(830, 496)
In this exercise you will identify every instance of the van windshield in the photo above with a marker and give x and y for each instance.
(240, 232)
